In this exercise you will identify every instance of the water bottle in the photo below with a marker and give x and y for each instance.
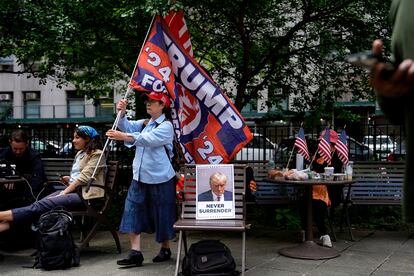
(348, 170)
(271, 164)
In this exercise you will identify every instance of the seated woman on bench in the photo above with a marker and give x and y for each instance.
(87, 141)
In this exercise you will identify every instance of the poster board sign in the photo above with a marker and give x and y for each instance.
(215, 191)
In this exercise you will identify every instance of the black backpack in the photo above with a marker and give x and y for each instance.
(55, 246)
(209, 257)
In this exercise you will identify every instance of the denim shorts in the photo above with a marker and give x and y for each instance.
(150, 208)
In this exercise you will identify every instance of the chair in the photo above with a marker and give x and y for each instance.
(53, 168)
(99, 212)
(187, 220)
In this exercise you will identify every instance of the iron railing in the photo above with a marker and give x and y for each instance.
(270, 143)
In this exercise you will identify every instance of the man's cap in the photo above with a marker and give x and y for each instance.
(333, 136)
(158, 96)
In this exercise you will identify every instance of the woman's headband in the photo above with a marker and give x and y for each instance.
(88, 131)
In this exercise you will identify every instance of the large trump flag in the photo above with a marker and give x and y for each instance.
(206, 123)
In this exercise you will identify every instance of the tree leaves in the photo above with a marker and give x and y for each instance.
(296, 47)
(285, 48)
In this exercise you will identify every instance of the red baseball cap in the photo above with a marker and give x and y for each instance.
(333, 136)
(158, 96)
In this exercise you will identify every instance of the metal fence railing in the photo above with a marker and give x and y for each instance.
(365, 142)
(270, 142)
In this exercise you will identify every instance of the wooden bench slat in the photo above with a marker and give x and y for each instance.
(377, 183)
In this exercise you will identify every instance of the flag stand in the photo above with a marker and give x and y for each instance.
(108, 141)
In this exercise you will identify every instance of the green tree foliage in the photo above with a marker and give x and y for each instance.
(287, 47)
(293, 47)
(90, 43)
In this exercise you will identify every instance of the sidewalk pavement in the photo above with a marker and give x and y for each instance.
(376, 253)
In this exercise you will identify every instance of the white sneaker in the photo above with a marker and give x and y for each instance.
(326, 241)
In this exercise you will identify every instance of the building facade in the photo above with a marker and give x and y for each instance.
(23, 98)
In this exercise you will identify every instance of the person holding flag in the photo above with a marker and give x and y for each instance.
(150, 203)
(206, 124)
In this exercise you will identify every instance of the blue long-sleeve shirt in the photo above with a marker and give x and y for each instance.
(151, 164)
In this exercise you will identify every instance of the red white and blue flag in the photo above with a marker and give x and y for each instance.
(342, 148)
(176, 22)
(206, 123)
(324, 147)
(301, 145)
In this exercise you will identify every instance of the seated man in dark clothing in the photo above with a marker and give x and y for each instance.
(28, 165)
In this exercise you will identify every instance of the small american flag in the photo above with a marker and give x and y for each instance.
(342, 148)
(300, 143)
(324, 147)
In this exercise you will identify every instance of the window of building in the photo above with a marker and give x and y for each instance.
(31, 66)
(31, 104)
(6, 64)
(6, 67)
(75, 104)
(251, 106)
(6, 105)
(104, 105)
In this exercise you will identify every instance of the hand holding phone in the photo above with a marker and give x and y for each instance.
(367, 60)
(65, 179)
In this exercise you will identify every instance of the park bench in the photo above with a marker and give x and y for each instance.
(270, 193)
(377, 183)
(54, 167)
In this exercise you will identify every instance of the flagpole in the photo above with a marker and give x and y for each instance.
(118, 116)
(343, 165)
(314, 155)
(313, 158)
(290, 157)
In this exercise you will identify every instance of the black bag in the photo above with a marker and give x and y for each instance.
(208, 257)
(55, 246)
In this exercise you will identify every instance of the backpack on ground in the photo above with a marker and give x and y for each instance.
(55, 246)
(208, 257)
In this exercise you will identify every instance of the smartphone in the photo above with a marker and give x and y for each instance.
(367, 60)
